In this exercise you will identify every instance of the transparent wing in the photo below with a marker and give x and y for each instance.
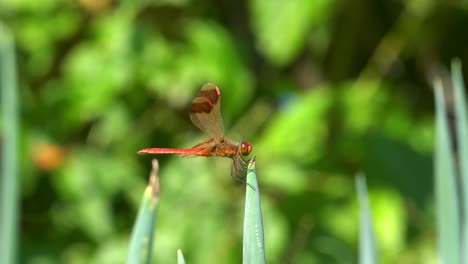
(205, 111)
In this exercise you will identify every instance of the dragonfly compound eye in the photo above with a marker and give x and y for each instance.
(245, 148)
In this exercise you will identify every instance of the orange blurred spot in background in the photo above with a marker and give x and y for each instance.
(48, 156)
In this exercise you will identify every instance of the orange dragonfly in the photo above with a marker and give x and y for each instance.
(205, 114)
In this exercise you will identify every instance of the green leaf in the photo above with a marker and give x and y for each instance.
(446, 194)
(282, 27)
(142, 235)
(367, 243)
(462, 136)
(180, 257)
(278, 139)
(9, 177)
(254, 243)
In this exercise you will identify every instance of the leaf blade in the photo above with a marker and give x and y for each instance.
(9, 184)
(180, 257)
(367, 243)
(462, 137)
(253, 241)
(142, 234)
(447, 207)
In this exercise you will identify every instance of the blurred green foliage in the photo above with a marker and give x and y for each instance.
(322, 89)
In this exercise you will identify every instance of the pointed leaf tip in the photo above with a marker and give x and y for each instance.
(367, 242)
(253, 241)
(180, 257)
(153, 182)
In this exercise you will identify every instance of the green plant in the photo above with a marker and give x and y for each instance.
(141, 241)
(143, 230)
(9, 180)
(180, 257)
(367, 244)
(450, 166)
(254, 243)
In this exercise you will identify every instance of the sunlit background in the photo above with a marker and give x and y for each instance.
(323, 89)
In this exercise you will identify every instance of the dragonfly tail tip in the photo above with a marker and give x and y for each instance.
(141, 152)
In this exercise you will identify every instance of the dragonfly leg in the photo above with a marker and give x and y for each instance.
(242, 160)
(241, 163)
(236, 170)
(235, 173)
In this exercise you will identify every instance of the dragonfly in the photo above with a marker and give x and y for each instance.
(206, 115)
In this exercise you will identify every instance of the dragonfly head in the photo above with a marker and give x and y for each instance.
(245, 148)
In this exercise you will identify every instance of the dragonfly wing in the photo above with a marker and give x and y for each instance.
(205, 111)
